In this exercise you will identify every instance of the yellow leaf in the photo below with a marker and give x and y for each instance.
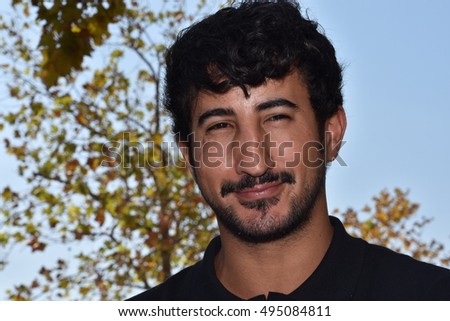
(7, 194)
(157, 139)
(93, 163)
(74, 28)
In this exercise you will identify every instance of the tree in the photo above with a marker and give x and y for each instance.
(94, 147)
(93, 143)
(392, 222)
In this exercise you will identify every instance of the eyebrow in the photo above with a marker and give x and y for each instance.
(278, 102)
(215, 112)
(220, 111)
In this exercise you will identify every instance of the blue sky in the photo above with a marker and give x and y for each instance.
(397, 99)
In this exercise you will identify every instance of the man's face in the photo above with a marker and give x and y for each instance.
(258, 160)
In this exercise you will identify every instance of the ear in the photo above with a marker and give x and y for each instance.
(334, 133)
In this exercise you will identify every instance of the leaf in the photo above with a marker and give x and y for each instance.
(36, 245)
(93, 163)
(72, 166)
(117, 53)
(74, 28)
(82, 119)
(7, 194)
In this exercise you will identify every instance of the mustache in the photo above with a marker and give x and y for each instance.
(250, 181)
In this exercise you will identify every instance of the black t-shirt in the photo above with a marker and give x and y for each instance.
(352, 269)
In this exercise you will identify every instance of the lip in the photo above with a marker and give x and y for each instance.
(259, 191)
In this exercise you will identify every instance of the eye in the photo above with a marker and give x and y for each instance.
(218, 126)
(278, 117)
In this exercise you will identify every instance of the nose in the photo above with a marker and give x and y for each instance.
(253, 157)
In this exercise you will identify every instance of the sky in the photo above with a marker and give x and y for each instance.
(397, 99)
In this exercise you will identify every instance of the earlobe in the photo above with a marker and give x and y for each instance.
(334, 133)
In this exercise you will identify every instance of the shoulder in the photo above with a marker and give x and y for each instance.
(178, 287)
(196, 282)
(391, 275)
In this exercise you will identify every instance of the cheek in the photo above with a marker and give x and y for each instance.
(294, 149)
(211, 155)
(313, 154)
(211, 164)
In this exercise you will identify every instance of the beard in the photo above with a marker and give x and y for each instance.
(267, 227)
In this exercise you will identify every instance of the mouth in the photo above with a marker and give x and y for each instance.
(259, 191)
(250, 188)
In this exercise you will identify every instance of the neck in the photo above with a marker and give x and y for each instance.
(248, 270)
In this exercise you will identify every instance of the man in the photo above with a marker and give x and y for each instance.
(255, 95)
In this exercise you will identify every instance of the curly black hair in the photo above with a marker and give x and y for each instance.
(245, 45)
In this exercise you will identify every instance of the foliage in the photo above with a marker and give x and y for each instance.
(391, 222)
(69, 32)
(91, 140)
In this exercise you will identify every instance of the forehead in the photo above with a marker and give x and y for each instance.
(291, 87)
